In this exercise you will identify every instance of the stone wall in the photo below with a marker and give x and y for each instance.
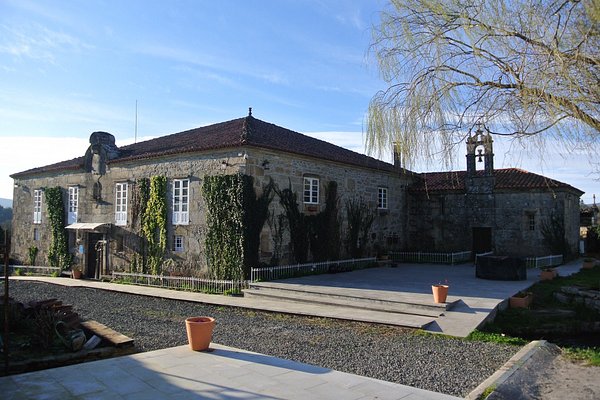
(388, 228)
(97, 200)
(444, 221)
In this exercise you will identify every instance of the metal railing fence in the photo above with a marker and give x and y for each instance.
(188, 283)
(31, 270)
(433, 258)
(544, 262)
(314, 268)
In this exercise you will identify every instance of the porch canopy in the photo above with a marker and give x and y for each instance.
(99, 227)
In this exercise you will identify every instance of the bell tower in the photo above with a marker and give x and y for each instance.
(480, 149)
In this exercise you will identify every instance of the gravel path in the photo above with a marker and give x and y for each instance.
(436, 363)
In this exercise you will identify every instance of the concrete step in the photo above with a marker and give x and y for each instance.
(377, 300)
(341, 312)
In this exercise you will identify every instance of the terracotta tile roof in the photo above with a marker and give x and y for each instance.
(74, 164)
(247, 131)
(507, 178)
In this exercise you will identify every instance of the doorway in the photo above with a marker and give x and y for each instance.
(92, 255)
(482, 240)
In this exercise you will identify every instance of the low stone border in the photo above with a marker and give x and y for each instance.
(509, 368)
(574, 294)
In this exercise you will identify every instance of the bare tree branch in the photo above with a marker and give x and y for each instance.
(528, 68)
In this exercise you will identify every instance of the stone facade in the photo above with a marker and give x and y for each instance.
(473, 211)
(96, 203)
(455, 221)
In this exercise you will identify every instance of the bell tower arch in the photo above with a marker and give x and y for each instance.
(480, 149)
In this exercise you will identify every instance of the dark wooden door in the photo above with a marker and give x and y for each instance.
(92, 254)
(482, 240)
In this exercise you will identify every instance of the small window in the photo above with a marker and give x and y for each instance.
(37, 206)
(73, 204)
(178, 243)
(531, 219)
(382, 198)
(181, 201)
(121, 204)
(311, 190)
(36, 234)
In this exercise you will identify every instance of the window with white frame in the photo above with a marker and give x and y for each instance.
(73, 204)
(178, 243)
(121, 204)
(37, 206)
(181, 201)
(382, 198)
(311, 190)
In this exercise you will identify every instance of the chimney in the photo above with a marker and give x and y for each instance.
(397, 155)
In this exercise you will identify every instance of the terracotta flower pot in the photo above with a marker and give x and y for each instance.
(588, 264)
(440, 292)
(547, 275)
(76, 274)
(199, 332)
(521, 301)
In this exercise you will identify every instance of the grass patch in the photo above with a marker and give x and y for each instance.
(488, 390)
(590, 355)
(501, 338)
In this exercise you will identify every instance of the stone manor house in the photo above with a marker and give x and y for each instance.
(503, 210)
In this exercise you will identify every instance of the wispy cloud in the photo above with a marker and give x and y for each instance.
(38, 107)
(37, 42)
(222, 65)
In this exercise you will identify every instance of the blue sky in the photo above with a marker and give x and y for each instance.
(69, 68)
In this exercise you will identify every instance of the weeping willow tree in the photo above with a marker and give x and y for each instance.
(527, 69)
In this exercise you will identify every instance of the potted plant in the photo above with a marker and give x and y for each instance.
(521, 300)
(199, 332)
(588, 263)
(76, 272)
(547, 274)
(440, 292)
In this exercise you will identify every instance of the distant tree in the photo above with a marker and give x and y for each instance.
(5, 216)
(525, 68)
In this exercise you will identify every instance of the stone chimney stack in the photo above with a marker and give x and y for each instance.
(397, 155)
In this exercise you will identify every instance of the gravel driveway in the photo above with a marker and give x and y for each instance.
(436, 363)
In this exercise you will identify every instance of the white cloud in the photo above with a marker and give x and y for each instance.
(20, 153)
(37, 42)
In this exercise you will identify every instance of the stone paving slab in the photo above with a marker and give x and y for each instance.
(221, 373)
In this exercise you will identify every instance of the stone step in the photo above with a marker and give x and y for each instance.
(388, 301)
(364, 304)
(343, 312)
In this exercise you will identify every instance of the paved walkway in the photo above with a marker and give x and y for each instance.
(222, 373)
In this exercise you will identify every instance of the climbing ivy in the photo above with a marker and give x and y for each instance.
(154, 223)
(360, 218)
(58, 252)
(140, 195)
(325, 228)
(297, 223)
(224, 242)
(255, 214)
(139, 200)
